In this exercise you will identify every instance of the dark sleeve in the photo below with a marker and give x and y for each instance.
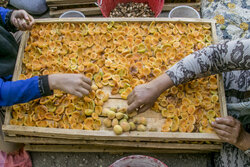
(44, 86)
(228, 56)
(21, 91)
(5, 19)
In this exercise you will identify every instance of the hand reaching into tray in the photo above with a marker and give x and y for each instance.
(230, 130)
(75, 84)
(22, 20)
(144, 96)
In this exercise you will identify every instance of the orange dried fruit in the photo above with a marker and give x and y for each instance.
(42, 123)
(191, 109)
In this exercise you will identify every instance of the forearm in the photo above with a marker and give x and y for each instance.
(162, 83)
(215, 59)
(244, 143)
(6, 19)
(21, 91)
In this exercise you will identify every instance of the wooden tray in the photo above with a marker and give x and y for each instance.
(103, 134)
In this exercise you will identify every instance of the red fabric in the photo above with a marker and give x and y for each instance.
(108, 5)
(17, 159)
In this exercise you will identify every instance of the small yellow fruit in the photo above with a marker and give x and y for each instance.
(125, 116)
(113, 109)
(114, 122)
(142, 120)
(125, 126)
(123, 120)
(132, 126)
(132, 114)
(119, 115)
(107, 123)
(111, 114)
(122, 110)
(118, 129)
(141, 128)
(105, 112)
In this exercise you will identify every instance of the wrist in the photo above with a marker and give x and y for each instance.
(162, 83)
(52, 81)
(244, 143)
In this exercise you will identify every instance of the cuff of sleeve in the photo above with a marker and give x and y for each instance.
(44, 86)
(9, 25)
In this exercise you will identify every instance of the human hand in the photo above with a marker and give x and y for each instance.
(22, 20)
(230, 130)
(143, 96)
(75, 84)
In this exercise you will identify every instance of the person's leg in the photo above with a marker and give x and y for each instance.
(36, 7)
(7, 146)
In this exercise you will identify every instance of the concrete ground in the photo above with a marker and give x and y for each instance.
(42, 159)
(52, 159)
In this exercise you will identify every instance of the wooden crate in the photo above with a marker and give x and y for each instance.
(62, 139)
(89, 7)
(12, 130)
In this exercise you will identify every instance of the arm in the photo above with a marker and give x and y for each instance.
(5, 20)
(228, 56)
(21, 91)
(234, 55)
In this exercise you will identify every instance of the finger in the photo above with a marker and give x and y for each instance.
(19, 24)
(144, 108)
(226, 121)
(26, 16)
(130, 98)
(224, 138)
(32, 21)
(83, 91)
(229, 129)
(222, 133)
(87, 80)
(78, 94)
(132, 107)
(15, 22)
(24, 25)
(86, 86)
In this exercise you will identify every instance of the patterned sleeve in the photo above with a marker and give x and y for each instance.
(228, 56)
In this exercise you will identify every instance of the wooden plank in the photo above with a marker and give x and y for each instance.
(85, 11)
(160, 145)
(221, 90)
(108, 135)
(93, 148)
(49, 2)
(170, 6)
(72, 5)
(100, 19)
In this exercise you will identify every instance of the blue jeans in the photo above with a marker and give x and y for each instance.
(36, 7)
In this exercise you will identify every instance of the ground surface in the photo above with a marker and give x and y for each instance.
(41, 159)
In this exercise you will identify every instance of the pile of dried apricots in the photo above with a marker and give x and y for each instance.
(121, 55)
